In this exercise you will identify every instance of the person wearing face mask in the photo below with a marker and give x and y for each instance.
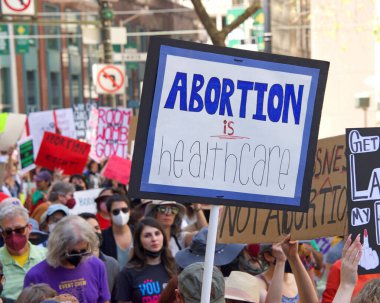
(79, 181)
(18, 255)
(112, 267)
(150, 268)
(60, 193)
(70, 266)
(2, 282)
(101, 207)
(117, 240)
(52, 216)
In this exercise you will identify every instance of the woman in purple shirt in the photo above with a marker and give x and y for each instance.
(70, 267)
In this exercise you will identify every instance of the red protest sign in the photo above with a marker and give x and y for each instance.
(118, 169)
(62, 152)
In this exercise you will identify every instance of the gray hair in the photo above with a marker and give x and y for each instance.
(68, 232)
(60, 188)
(11, 211)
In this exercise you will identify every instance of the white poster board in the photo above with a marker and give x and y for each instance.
(85, 201)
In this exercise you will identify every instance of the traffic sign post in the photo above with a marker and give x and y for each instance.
(4, 41)
(18, 7)
(109, 78)
(22, 45)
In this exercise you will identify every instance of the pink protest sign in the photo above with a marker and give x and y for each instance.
(118, 169)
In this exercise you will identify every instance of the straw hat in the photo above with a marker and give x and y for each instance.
(242, 286)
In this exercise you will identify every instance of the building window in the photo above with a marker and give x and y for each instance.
(55, 90)
(76, 96)
(52, 30)
(5, 84)
(31, 98)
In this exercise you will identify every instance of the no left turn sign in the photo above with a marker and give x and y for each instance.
(18, 7)
(109, 79)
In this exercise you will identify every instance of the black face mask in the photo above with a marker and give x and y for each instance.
(246, 266)
(100, 238)
(153, 254)
(74, 260)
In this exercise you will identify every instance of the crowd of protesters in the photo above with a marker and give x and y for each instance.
(145, 251)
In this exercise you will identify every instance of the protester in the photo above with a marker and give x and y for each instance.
(112, 266)
(12, 180)
(168, 295)
(2, 282)
(101, 207)
(117, 239)
(170, 214)
(249, 260)
(79, 181)
(92, 174)
(70, 266)
(224, 253)
(150, 268)
(190, 285)
(60, 193)
(37, 236)
(43, 182)
(36, 293)
(52, 216)
(18, 255)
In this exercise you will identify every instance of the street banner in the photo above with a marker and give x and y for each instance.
(81, 114)
(62, 152)
(85, 201)
(112, 133)
(26, 155)
(363, 194)
(327, 214)
(227, 126)
(118, 169)
(60, 121)
(14, 127)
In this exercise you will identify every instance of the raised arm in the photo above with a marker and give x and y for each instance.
(306, 290)
(352, 252)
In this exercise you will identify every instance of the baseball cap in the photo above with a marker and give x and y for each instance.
(53, 209)
(190, 284)
(42, 176)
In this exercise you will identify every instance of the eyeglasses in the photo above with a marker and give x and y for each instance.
(80, 253)
(116, 211)
(18, 230)
(168, 210)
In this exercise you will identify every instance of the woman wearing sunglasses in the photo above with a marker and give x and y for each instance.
(150, 268)
(117, 239)
(70, 266)
(170, 214)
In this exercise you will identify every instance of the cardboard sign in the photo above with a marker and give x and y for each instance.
(61, 120)
(327, 215)
(85, 201)
(363, 193)
(227, 126)
(81, 114)
(26, 155)
(113, 131)
(63, 152)
(118, 169)
(14, 127)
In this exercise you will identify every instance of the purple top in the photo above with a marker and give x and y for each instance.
(87, 282)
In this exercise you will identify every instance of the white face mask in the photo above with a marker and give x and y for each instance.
(51, 227)
(121, 219)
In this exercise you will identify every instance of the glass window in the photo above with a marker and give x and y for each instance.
(5, 84)
(52, 42)
(31, 98)
(55, 90)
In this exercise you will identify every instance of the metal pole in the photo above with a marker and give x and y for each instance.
(14, 81)
(210, 254)
(267, 27)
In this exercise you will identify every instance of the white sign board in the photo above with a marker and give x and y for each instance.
(18, 7)
(14, 128)
(85, 201)
(119, 35)
(109, 78)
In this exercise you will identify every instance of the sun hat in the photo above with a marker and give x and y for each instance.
(156, 203)
(242, 286)
(42, 176)
(53, 209)
(224, 253)
(190, 284)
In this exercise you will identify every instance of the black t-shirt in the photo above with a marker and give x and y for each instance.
(142, 286)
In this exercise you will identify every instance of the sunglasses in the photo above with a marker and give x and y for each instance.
(17, 230)
(168, 210)
(81, 253)
(116, 211)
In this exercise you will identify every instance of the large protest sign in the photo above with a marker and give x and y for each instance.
(81, 114)
(227, 126)
(60, 120)
(65, 153)
(118, 169)
(112, 133)
(25, 154)
(327, 215)
(85, 201)
(13, 127)
(363, 193)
